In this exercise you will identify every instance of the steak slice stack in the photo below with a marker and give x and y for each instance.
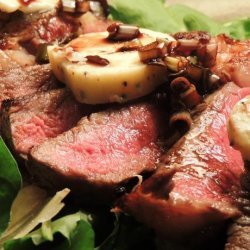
(23, 81)
(28, 121)
(196, 186)
(101, 152)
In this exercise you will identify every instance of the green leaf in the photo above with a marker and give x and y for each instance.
(82, 238)
(239, 29)
(30, 208)
(64, 226)
(128, 234)
(148, 14)
(190, 19)
(10, 183)
(155, 15)
(76, 230)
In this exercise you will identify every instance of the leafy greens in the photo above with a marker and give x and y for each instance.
(126, 229)
(10, 183)
(155, 15)
(30, 208)
(148, 14)
(75, 231)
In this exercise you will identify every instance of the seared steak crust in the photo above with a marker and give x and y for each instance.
(238, 234)
(200, 176)
(21, 81)
(28, 121)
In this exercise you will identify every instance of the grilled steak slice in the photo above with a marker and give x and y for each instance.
(239, 231)
(32, 30)
(10, 59)
(35, 29)
(195, 187)
(101, 152)
(239, 132)
(28, 121)
(232, 60)
(239, 234)
(23, 81)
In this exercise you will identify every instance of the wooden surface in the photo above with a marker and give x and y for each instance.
(222, 10)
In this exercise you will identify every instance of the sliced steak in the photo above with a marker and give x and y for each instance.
(28, 121)
(10, 59)
(239, 231)
(32, 30)
(35, 29)
(233, 60)
(101, 152)
(239, 132)
(195, 187)
(238, 234)
(23, 81)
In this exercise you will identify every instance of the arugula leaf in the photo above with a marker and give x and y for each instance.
(191, 19)
(239, 29)
(128, 234)
(155, 15)
(148, 14)
(10, 183)
(82, 238)
(75, 229)
(65, 226)
(30, 208)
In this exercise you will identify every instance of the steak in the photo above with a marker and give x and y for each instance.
(55, 26)
(23, 81)
(239, 230)
(31, 30)
(101, 152)
(233, 60)
(197, 184)
(10, 59)
(28, 121)
(239, 131)
(238, 234)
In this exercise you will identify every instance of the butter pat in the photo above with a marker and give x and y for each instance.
(239, 127)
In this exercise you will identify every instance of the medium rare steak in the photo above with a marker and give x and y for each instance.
(195, 187)
(28, 121)
(101, 152)
(239, 132)
(23, 81)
